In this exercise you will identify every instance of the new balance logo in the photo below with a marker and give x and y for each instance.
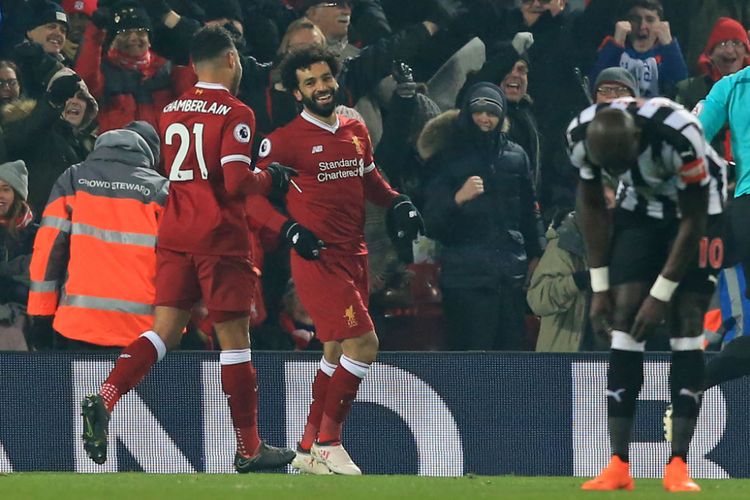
(617, 395)
(695, 395)
(317, 149)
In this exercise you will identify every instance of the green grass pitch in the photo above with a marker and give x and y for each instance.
(137, 486)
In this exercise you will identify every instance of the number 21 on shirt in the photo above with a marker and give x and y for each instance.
(182, 132)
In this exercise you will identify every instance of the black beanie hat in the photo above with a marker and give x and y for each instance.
(46, 12)
(129, 16)
(147, 131)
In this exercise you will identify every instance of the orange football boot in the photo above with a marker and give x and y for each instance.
(677, 477)
(616, 476)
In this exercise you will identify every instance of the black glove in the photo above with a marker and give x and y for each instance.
(28, 53)
(281, 176)
(404, 223)
(102, 18)
(582, 279)
(405, 85)
(156, 9)
(444, 12)
(304, 242)
(63, 89)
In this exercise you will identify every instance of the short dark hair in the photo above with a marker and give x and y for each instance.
(210, 42)
(654, 5)
(304, 57)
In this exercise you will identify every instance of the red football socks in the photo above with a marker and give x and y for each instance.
(342, 390)
(319, 390)
(239, 384)
(132, 365)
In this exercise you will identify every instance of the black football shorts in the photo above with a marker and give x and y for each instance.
(641, 244)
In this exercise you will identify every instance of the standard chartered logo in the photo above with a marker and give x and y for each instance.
(344, 168)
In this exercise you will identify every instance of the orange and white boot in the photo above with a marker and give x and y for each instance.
(616, 476)
(677, 478)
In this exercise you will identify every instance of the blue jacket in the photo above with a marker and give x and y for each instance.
(657, 71)
(729, 101)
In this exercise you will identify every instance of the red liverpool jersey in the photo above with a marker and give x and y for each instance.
(201, 132)
(332, 160)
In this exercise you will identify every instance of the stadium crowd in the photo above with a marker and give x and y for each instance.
(467, 103)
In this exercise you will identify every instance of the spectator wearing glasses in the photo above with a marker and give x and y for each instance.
(10, 87)
(643, 44)
(50, 133)
(726, 52)
(613, 83)
(130, 81)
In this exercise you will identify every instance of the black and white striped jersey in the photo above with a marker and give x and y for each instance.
(674, 155)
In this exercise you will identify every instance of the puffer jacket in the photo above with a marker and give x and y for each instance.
(489, 239)
(94, 259)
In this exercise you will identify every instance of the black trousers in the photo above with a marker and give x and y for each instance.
(484, 319)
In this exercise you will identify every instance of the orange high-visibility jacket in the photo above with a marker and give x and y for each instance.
(94, 257)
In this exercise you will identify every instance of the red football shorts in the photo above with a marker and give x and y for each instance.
(226, 283)
(334, 291)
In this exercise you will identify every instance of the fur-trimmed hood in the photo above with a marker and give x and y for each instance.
(440, 132)
(437, 134)
(16, 110)
(21, 108)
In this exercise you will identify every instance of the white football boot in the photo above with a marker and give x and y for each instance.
(336, 458)
(306, 464)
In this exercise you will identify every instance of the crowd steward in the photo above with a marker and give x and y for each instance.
(487, 185)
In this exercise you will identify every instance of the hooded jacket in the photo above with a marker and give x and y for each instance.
(35, 133)
(94, 257)
(487, 240)
(554, 295)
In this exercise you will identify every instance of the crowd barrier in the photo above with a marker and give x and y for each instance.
(436, 414)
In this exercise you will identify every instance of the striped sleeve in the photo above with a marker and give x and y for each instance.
(684, 150)
(576, 135)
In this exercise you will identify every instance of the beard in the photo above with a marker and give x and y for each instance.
(321, 110)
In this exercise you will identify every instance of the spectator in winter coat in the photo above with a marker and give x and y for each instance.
(643, 44)
(559, 292)
(79, 17)
(508, 67)
(48, 27)
(482, 207)
(17, 233)
(50, 133)
(726, 52)
(131, 82)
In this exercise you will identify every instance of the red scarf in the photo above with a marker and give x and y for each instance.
(147, 64)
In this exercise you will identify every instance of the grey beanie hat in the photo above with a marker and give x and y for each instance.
(487, 97)
(147, 131)
(16, 175)
(619, 75)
